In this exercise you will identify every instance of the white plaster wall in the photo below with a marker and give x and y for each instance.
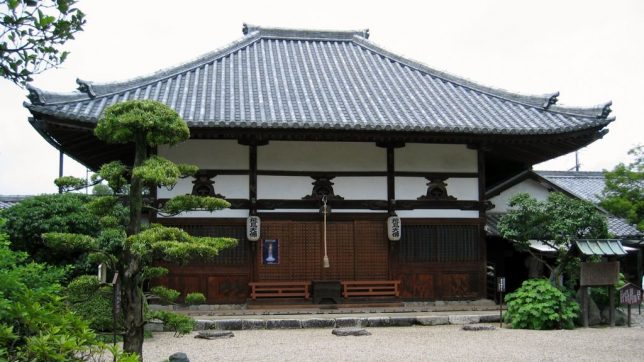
(230, 186)
(410, 188)
(208, 154)
(435, 158)
(361, 188)
(529, 186)
(321, 156)
(458, 214)
(283, 187)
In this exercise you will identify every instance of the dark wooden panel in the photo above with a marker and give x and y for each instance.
(371, 251)
(228, 288)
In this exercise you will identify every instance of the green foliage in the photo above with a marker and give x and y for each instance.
(92, 301)
(556, 222)
(62, 213)
(195, 298)
(35, 324)
(166, 295)
(623, 195)
(538, 304)
(69, 241)
(70, 183)
(115, 173)
(158, 171)
(182, 203)
(154, 272)
(175, 245)
(179, 323)
(33, 33)
(151, 121)
(102, 190)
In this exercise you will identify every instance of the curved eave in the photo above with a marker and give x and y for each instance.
(337, 126)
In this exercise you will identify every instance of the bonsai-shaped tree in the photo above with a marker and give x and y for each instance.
(556, 222)
(125, 243)
(623, 195)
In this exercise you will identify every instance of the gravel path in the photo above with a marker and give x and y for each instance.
(445, 343)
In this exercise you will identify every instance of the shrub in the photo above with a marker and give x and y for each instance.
(93, 302)
(537, 304)
(35, 323)
(195, 298)
(166, 295)
(179, 323)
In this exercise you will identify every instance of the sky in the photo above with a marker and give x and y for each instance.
(590, 51)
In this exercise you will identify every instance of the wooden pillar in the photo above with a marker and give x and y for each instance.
(483, 220)
(252, 177)
(585, 308)
(391, 183)
(60, 168)
(611, 308)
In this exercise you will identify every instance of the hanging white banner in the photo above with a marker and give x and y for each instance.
(253, 228)
(394, 228)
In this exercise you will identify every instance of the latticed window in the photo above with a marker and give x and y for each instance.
(439, 243)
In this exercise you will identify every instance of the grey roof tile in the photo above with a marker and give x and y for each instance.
(286, 78)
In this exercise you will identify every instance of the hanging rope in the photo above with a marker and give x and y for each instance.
(325, 260)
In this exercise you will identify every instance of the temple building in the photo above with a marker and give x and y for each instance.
(295, 127)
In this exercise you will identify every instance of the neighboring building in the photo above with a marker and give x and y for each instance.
(538, 184)
(282, 117)
(6, 201)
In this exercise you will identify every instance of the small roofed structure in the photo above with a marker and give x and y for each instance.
(600, 247)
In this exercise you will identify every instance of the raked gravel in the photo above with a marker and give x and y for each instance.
(444, 343)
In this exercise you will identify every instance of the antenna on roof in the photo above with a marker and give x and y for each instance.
(577, 164)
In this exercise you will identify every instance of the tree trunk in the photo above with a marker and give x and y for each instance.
(132, 307)
(131, 293)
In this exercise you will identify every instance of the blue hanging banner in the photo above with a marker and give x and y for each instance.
(270, 252)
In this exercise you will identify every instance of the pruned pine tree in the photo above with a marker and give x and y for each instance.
(125, 243)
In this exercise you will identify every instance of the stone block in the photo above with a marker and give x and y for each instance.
(432, 320)
(402, 321)
(253, 324)
(489, 318)
(228, 324)
(154, 326)
(348, 322)
(283, 324)
(478, 327)
(203, 324)
(464, 319)
(378, 322)
(318, 323)
(350, 331)
(178, 357)
(214, 334)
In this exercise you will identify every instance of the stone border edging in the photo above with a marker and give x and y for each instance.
(342, 322)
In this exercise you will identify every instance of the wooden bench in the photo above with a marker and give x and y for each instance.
(280, 289)
(371, 288)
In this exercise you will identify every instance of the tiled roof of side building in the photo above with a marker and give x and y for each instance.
(583, 184)
(303, 79)
(8, 201)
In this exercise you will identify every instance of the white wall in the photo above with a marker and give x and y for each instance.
(321, 156)
(535, 189)
(435, 158)
(208, 154)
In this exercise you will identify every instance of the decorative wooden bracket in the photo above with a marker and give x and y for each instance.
(436, 190)
(322, 186)
(204, 185)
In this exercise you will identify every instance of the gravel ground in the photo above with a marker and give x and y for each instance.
(445, 343)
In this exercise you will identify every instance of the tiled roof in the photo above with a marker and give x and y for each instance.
(583, 184)
(300, 79)
(616, 226)
(8, 201)
(603, 247)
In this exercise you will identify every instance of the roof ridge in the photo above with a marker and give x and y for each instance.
(289, 33)
(545, 102)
